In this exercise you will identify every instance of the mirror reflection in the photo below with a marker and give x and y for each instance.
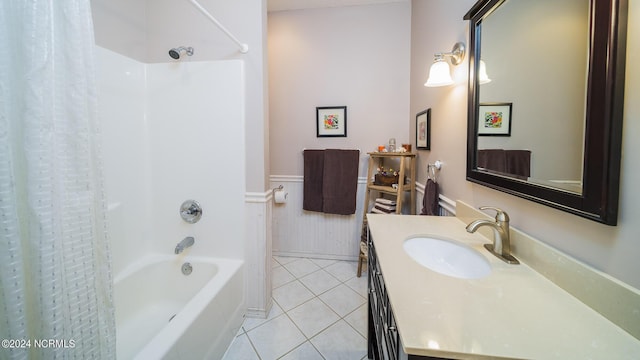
(531, 115)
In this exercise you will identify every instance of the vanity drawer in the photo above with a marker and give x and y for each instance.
(383, 334)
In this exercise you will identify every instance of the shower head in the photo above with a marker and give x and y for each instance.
(175, 52)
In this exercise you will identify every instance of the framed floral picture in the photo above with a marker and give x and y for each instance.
(331, 121)
(423, 130)
(494, 119)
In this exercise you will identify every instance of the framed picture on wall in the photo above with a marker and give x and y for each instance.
(423, 130)
(331, 121)
(494, 119)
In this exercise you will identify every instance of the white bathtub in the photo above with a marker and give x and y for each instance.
(208, 306)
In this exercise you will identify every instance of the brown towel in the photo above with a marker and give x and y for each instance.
(313, 175)
(340, 181)
(430, 199)
(492, 159)
(518, 162)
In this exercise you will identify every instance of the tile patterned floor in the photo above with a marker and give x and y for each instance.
(319, 312)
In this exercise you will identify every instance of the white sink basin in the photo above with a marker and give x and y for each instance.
(448, 257)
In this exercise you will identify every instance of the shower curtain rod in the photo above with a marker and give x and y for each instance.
(244, 48)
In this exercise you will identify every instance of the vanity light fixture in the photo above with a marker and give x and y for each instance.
(483, 78)
(439, 73)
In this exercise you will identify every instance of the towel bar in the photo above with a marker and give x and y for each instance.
(303, 149)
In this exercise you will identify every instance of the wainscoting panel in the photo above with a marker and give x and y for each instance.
(258, 253)
(298, 232)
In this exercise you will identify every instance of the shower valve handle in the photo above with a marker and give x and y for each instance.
(190, 211)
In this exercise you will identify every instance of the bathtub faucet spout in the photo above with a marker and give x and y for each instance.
(185, 243)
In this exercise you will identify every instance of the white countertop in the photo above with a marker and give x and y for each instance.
(512, 313)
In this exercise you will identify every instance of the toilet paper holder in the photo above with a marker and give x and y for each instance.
(279, 196)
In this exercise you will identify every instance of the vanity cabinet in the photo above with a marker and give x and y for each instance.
(382, 334)
(383, 339)
(414, 312)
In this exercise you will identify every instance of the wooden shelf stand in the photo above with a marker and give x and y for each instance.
(406, 160)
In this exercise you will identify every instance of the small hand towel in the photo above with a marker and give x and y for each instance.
(430, 199)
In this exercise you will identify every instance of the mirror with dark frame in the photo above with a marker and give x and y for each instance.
(546, 123)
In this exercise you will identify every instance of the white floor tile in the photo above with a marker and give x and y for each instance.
(323, 262)
(319, 281)
(291, 295)
(340, 342)
(342, 299)
(308, 304)
(250, 323)
(275, 338)
(359, 284)
(305, 351)
(301, 267)
(280, 276)
(240, 331)
(240, 349)
(358, 320)
(343, 270)
(285, 259)
(313, 317)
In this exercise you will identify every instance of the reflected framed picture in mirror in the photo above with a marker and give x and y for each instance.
(423, 130)
(494, 119)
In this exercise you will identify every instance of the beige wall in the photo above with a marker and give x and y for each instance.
(436, 26)
(356, 56)
(120, 26)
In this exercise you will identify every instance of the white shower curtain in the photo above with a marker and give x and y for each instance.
(55, 279)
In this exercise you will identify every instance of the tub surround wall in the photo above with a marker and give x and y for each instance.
(121, 107)
(188, 104)
(160, 125)
(171, 23)
(161, 147)
(145, 30)
(613, 250)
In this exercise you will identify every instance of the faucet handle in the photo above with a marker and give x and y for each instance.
(501, 215)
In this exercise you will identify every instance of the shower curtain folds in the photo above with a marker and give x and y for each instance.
(55, 279)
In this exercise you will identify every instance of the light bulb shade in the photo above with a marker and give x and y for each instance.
(439, 75)
(483, 78)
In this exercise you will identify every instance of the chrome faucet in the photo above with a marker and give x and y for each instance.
(185, 243)
(501, 246)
